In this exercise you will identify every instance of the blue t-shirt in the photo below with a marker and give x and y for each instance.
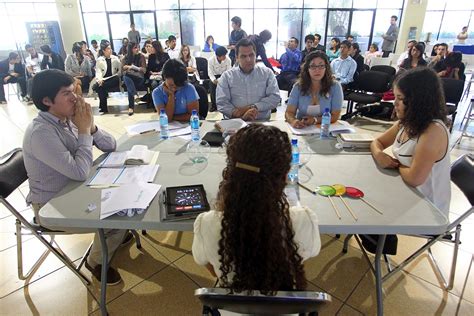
(333, 100)
(182, 97)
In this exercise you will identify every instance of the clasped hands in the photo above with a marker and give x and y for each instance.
(83, 118)
(305, 121)
(247, 113)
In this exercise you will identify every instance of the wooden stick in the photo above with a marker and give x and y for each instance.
(335, 208)
(371, 206)
(349, 208)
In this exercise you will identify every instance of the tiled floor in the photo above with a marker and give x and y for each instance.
(160, 278)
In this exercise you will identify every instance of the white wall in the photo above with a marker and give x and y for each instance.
(70, 22)
(413, 16)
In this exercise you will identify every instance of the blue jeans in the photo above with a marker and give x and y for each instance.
(132, 82)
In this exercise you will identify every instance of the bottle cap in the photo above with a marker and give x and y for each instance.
(294, 141)
(326, 110)
(162, 111)
(194, 112)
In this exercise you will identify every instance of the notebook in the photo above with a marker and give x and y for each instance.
(138, 155)
(355, 140)
(236, 124)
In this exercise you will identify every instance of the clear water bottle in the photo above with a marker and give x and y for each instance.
(295, 162)
(194, 122)
(325, 123)
(164, 133)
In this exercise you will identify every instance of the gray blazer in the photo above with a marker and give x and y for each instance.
(389, 38)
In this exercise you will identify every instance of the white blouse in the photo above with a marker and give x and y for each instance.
(207, 233)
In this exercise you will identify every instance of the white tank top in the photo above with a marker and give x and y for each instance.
(437, 187)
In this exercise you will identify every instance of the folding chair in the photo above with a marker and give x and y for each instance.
(453, 90)
(462, 173)
(254, 303)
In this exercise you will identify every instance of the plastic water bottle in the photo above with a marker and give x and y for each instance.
(164, 133)
(194, 122)
(295, 162)
(325, 123)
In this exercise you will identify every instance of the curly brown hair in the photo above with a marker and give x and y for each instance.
(256, 250)
(304, 79)
(423, 99)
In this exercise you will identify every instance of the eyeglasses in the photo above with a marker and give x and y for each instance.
(314, 67)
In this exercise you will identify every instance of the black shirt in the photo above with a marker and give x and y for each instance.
(108, 73)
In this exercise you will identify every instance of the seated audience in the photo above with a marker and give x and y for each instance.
(172, 50)
(51, 60)
(209, 45)
(94, 48)
(57, 148)
(190, 62)
(441, 53)
(92, 61)
(216, 66)
(290, 65)
(350, 38)
(420, 138)
(404, 55)
(247, 91)
(259, 42)
(316, 43)
(372, 53)
(176, 95)
(415, 58)
(333, 52)
(78, 66)
(434, 50)
(344, 67)
(156, 59)
(315, 86)
(308, 48)
(451, 67)
(133, 69)
(355, 54)
(33, 66)
(123, 50)
(12, 71)
(254, 240)
(108, 72)
(144, 48)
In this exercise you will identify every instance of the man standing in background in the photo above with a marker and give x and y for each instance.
(236, 35)
(134, 35)
(390, 37)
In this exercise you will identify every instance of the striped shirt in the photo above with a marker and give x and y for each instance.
(54, 153)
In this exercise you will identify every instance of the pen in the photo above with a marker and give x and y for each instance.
(148, 131)
(306, 188)
(105, 186)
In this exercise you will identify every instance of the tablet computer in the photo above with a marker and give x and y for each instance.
(185, 201)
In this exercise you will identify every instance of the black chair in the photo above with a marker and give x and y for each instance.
(368, 89)
(453, 90)
(203, 101)
(254, 303)
(201, 63)
(389, 70)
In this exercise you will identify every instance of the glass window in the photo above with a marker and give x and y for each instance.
(465, 5)
(142, 5)
(8, 40)
(453, 22)
(314, 22)
(120, 25)
(92, 5)
(431, 25)
(267, 19)
(166, 4)
(46, 11)
(117, 5)
(192, 27)
(316, 3)
(365, 4)
(436, 5)
(395, 4)
(360, 28)
(247, 19)
(215, 19)
(340, 4)
(96, 26)
(25, 9)
(191, 4)
(266, 4)
(289, 26)
(145, 24)
(215, 4)
(291, 4)
(338, 25)
(240, 3)
(168, 24)
(382, 23)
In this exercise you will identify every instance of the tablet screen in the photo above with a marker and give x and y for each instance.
(186, 199)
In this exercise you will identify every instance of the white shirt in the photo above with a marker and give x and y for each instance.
(402, 57)
(215, 68)
(34, 63)
(173, 53)
(207, 233)
(437, 187)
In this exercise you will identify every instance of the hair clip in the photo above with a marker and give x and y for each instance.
(247, 167)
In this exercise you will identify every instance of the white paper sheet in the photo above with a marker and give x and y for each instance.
(152, 126)
(124, 175)
(335, 128)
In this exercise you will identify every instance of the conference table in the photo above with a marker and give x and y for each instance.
(405, 210)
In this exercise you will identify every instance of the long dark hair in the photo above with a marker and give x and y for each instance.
(421, 62)
(130, 57)
(338, 44)
(423, 99)
(158, 50)
(304, 79)
(256, 248)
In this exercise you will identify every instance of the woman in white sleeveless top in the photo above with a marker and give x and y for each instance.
(420, 138)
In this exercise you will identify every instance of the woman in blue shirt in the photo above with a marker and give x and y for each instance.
(178, 97)
(315, 86)
(334, 51)
(209, 45)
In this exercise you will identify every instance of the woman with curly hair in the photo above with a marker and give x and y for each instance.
(420, 138)
(315, 86)
(254, 240)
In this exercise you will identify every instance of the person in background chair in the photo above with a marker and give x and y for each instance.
(290, 65)
(209, 45)
(357, 57)
(172, 50)
(308, 48)
(317, 41)
(190, 62)
(371, 53)
(51, 60)
(216, 66)
(133, 69)
(12, 71)
(156, 60)
(254, 240)
(404, 55)
(334, 51)
(441, 53)
(33, 66)
(451, 67)
(247, 91)
(344, 67)
(108, 72)
(123, 50)
(415, 58)
(78, 66)
(57, 148)
(94, 48)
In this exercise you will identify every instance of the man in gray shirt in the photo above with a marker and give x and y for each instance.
(390, 37)
(134, 35)
(247, 91)
(57, 148)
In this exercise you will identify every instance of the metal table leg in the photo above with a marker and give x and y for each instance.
(105, 268)
(378, 274)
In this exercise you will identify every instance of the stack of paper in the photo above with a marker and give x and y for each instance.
(335, 128)
(138, 155)
(234, 124)
(124, 175)
(356, 140)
